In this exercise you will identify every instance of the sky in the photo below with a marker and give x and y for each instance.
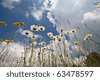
(52, 14)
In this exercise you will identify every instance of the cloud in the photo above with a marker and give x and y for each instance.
(10, 4)
(37, 11)
(67, 9)
(53, 3)
(37, 14)
(51, 18)
(91, 16)
(50, 4)
(27, 15)
(78, 3)
(92, 19)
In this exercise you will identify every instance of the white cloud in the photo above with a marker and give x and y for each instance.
(49, 4)
(92, 19)
(78, 3)
(91, 16)
(37, 14)
(51, 18)
(53, 3)
(27, 15)
(10, 4)
(67, 9)
(45, 5)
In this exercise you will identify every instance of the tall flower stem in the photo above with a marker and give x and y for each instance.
(61, 56)
(31, 56)
(25, 62)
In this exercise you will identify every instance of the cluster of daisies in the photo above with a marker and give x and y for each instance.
(30, 34)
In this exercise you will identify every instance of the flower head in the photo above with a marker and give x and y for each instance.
(73, 31)
(41, 28)
(27, 33)
(42, 44)
(61, 30)
(67, 32)
(33, 36)
(8, 41)
(88, 36)
(75, 43)
(59, 38)
(18, 24)
(50, 35)
(98, 5)
(32, 42)
(34, 28)
(2, 23)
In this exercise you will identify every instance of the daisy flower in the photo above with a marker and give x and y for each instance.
(61, 30)
(67, 32)
(2, 23)
(73, 31)
(41, 28)
(98, 5)
(50, 34)
(42, 44)
(34, 28)
(88, 36)
(18, 24)
(27, 33)
(75, 43)
(8, 41)
(59, 38)
(32, 42)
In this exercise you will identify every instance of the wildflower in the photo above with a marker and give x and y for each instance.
(42, 44)
(59, 37)
(41, 28)
(61, 30)
(44, 48)
(22, 23)
(27, 33)
(8, 41)
(18, 24)
(34, 28)
(88, 36)
(2, 23)
(50, 35)
(67, 32)
(75, 43)
(32, 42)
(73, 31)
(33, 36)
(98, 5)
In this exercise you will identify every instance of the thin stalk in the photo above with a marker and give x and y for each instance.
(25, 61)
(31, 56)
